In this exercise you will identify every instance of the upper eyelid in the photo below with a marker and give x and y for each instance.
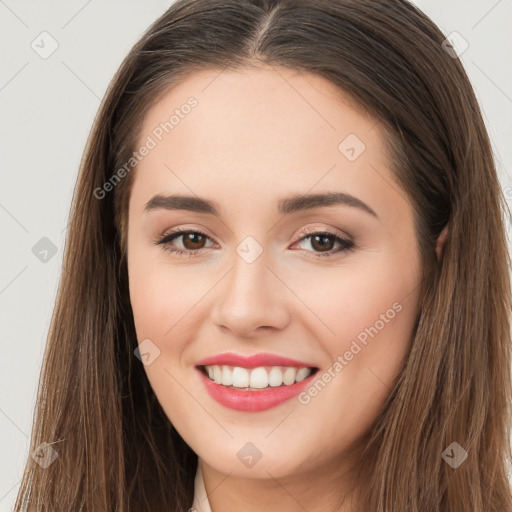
(304, 232)
(183, 231)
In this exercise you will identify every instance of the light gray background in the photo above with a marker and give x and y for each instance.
(48, 106)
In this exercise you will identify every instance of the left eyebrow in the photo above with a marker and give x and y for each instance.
(180, 202)
(285, 206)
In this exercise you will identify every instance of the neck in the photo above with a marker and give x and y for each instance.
(320, 488)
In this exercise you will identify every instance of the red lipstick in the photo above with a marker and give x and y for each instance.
(261, 359)
(258, 399)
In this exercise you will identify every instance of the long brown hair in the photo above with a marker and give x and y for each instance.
(117, 450)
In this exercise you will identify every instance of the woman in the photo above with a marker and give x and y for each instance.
(286, 280)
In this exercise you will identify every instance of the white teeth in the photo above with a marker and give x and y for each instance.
(302, 373)
(217, 374)
(256, 378)
(275, 377)
(227, 376)
(289, 375)
(259, 378)
(240, 377)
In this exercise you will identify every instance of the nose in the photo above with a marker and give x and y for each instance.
(251, 299)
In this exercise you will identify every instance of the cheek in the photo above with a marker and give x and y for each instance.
(373, 322)
(163, 300)
(162, 295)
(152, 301)
(375, 301)
(367, 323)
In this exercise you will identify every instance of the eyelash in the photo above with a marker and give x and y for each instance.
(347, 245)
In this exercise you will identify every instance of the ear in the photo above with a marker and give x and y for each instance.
(440, 241)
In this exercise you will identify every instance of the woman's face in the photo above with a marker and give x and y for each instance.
(261, 276)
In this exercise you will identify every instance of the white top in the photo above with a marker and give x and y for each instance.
(200, 503)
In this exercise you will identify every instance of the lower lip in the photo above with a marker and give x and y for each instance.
(242, 400)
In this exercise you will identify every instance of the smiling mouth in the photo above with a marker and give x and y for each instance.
(256, 379)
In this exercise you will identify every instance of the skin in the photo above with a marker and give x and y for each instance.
(258, 135)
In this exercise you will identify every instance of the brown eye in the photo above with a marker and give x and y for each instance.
(193, 240)
(323, 242)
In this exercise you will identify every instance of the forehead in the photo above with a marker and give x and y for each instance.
(258, 129)
(253, 105)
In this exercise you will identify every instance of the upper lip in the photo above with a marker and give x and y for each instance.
(253, 361)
